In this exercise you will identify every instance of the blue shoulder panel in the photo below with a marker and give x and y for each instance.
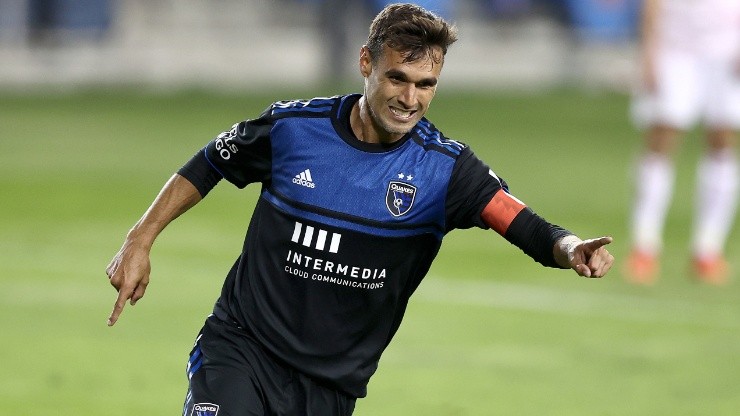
(398, 192)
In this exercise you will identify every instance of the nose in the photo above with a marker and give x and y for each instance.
(407, 97)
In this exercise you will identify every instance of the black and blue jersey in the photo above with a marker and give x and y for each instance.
(344, 231)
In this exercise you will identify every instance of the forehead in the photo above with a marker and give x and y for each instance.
(391, 59)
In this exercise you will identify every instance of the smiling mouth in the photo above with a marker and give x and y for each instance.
(404, 115)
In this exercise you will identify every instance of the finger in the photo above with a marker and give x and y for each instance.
(595, 265)
(597, 258)
(596, 243)
(608, 262)
(598, 271)
(138, 293)
(582, 270)
(601, 272)
(123, 295)
(116, 280)
(603, 262)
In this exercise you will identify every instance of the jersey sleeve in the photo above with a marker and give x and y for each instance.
(200, 173)
(243, 155)
(535, 237)
(471, 187)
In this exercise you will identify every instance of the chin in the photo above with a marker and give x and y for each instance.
(400, 128)
(391, 126)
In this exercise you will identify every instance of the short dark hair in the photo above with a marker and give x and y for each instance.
(411, 30)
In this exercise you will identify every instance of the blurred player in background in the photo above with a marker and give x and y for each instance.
(357, 193)
(690, 74)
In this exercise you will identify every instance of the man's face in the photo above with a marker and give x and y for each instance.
(398, 94)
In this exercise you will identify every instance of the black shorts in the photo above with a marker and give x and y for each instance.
(231, 375)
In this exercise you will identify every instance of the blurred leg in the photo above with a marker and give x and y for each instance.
(716, 203)
(717, 173)
(654, 185)
(668, 108)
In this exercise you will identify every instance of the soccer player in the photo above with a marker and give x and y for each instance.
(691, 73)
(357, 192)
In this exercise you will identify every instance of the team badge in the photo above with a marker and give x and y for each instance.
(204, 409)
(399, 198)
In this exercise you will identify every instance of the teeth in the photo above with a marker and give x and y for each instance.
(401, 113)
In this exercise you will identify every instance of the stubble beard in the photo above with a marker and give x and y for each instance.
(387, 127)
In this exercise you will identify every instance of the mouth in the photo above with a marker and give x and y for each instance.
(402, 114)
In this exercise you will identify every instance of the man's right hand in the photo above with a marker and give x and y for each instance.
(128, 272)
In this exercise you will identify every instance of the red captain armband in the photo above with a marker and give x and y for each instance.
(501, 211)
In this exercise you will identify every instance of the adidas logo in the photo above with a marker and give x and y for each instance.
(304, 179)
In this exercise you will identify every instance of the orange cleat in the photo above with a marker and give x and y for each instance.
(641, 268)
(712, 270)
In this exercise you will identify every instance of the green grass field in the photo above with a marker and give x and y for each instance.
(489, 332)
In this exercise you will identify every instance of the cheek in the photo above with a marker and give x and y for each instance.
(387, 91)
(376, 91)
(426, 98)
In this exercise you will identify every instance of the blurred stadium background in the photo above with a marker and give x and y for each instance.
(249, 43)
(101, 100)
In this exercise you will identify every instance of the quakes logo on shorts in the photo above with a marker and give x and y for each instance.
(399, 198)
(204, 409)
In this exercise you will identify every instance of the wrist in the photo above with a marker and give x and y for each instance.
(137, 237)
(566, 247)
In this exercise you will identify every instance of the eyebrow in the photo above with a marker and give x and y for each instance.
(394, 73)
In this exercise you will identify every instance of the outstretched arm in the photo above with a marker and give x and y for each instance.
(129, 269)
(589, 258)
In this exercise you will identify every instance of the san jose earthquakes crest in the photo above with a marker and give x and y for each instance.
(399, 198)
(205, 409)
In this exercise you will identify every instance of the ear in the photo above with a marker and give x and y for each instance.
(366, 64)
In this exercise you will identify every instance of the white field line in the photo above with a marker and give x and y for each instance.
(515, 296)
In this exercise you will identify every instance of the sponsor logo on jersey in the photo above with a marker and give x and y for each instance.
(313, 266)
(204, 409)
(305, 236)
(399, 198)
(304, 179)
(224, 143)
